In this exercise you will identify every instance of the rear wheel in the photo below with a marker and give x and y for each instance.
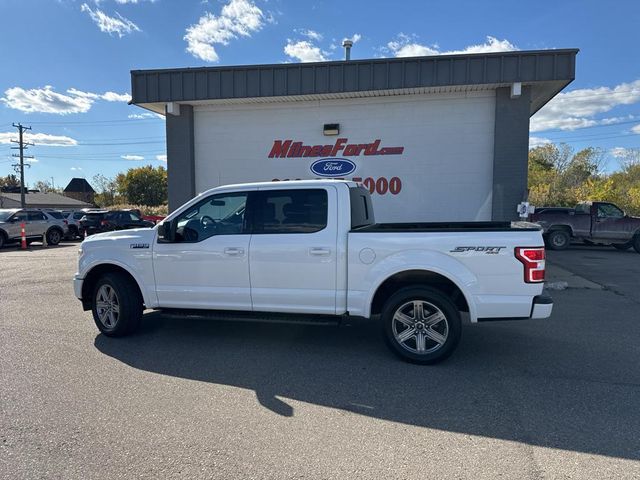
(421, 325)
(622, 246)
(3, 239)
(54, 236)
(558, 240)
(116, 305)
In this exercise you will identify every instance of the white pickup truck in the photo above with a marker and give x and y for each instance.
(310, 250)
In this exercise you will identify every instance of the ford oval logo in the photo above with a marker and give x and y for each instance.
(333, 167)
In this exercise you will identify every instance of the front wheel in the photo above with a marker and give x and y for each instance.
(116, 305)
(558, 240)
(421, 325)
(636, 243)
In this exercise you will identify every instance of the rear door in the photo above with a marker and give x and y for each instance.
(292, 254)
(37, 224)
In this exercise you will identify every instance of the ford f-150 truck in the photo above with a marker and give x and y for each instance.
(310, 250)
(591, 222)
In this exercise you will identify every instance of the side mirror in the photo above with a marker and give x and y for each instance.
(166, 232)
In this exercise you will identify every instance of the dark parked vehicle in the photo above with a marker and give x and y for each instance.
(99, 221)
(591, 222)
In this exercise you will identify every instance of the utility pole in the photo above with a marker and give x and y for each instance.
(22, 146)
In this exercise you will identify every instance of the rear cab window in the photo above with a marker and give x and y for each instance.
(361, 207)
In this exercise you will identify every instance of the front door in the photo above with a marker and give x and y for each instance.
(608, 223)
(293, 250)
(207, 266)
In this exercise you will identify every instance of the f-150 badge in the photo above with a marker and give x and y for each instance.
(139, 245)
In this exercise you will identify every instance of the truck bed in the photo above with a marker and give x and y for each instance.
(418, 227)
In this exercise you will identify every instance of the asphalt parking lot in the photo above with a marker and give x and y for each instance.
(191, 398)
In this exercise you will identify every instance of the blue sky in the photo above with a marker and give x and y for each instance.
(65, 63)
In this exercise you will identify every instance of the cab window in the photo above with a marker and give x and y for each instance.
(221, 214)
(607, 210)
(290, 211)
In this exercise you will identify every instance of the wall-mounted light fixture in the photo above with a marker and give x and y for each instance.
(331, 129)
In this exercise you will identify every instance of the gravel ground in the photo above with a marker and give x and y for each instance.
(192, 398)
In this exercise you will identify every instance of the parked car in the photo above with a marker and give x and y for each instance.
(36, 223)
(73, 220)
(311, 251)
(592, 222)
(99, 221)
(61, 220)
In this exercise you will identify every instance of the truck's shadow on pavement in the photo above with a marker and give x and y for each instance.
(515, 382)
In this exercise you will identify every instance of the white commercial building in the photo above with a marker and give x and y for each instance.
(433, 138)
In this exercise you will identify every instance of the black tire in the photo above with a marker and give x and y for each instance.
(558, 240)
(54, 235)
(73, 232)
(3, 239)
(636, 242)
(127, 299)
(622, 246)
(449, 329)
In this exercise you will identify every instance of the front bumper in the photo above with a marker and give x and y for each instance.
(542, 306)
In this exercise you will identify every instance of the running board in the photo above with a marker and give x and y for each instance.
(262, 317)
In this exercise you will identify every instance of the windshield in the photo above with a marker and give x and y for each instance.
(5, 214)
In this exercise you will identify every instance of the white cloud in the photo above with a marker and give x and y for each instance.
(304, 51)
(538, 142)
(310, 34)
(142, 116)
(491, 44)
(576, 109)
(407, 46)
(161, 158)
(46, 100)
(619, 152)
(31, 160)
(355, 38)
(238, 18)
(119, 25)
(76, 169)
(123, 2)
(636, 129)
(132, 157)
(115, 97)
(43, 139)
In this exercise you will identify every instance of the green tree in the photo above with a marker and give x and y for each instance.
(106, 190)
(144, 185)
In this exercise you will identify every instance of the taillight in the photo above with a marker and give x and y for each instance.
(533, 260)
(104, 223)
(66, 222)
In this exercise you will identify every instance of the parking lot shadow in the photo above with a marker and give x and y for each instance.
(515, 382)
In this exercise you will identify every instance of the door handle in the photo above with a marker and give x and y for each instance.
(319, 251)
(234, 251)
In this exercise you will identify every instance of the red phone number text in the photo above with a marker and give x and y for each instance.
(380, 186)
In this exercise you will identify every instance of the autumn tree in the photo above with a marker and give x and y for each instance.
(144, 185)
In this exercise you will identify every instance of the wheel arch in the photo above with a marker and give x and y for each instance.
(560, 226)
(421, 277)
(95, 273)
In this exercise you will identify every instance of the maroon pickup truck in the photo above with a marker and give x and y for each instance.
(591, 222)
